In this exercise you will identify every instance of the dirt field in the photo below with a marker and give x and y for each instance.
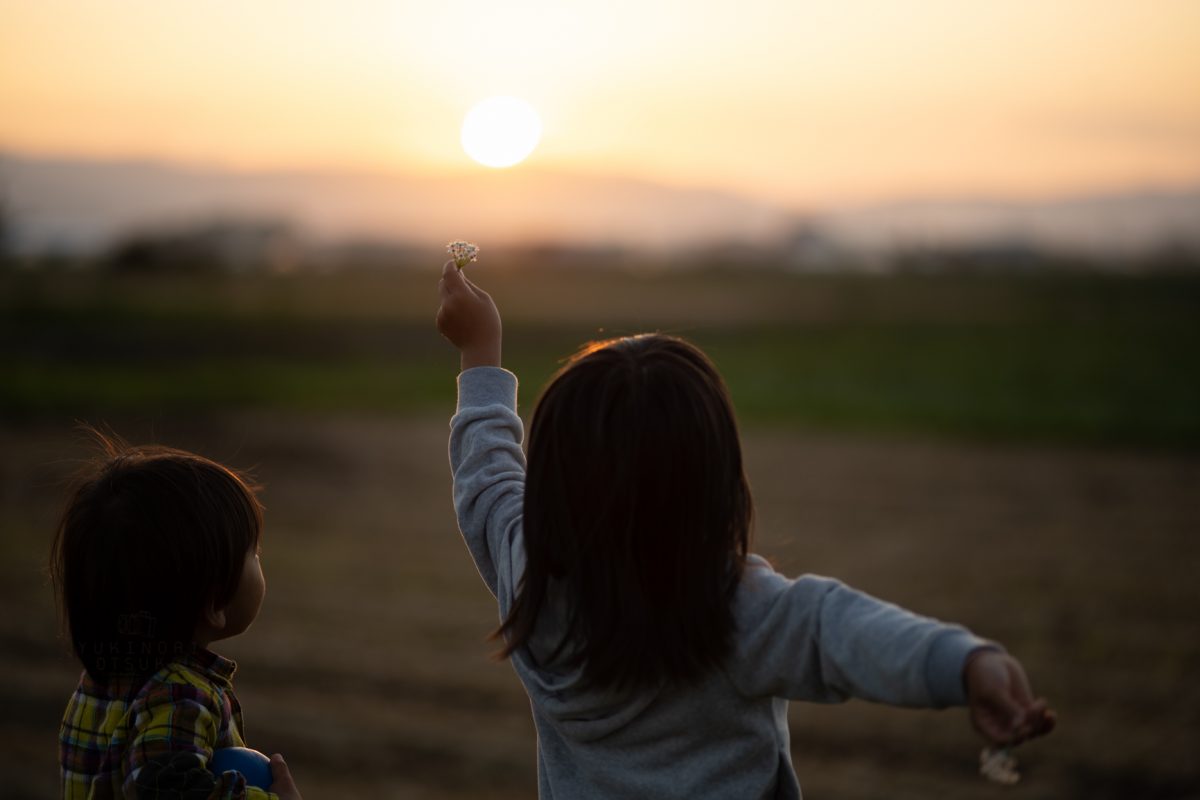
(368, 668)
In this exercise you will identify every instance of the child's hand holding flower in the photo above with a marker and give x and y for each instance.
(1003, 709)
(468, 318)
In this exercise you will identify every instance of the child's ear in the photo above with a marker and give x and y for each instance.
(215, 617)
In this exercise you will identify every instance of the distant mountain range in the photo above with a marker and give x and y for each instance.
(77, 205)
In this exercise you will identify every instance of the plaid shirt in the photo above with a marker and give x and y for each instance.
(127, 740)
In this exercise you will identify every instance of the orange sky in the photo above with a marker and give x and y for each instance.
(799, 102)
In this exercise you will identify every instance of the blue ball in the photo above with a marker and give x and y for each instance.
(255, 766)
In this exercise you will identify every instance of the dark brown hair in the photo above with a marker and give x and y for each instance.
(637, 508)
(148, 538)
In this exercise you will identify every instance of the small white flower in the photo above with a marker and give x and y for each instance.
(463, 253)
(998, 765)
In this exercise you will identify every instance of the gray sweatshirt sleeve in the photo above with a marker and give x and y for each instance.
(816, 639)
(488, 466)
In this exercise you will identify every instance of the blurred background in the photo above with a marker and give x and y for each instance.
(947, 256)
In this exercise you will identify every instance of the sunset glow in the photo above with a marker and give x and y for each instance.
(794, 103)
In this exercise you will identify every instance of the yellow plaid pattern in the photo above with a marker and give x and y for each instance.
(125, 740)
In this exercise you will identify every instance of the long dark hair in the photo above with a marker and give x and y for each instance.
(149, 536)
(637, 506)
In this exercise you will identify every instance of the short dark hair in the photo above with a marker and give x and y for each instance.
(637, 506)
(149, 536)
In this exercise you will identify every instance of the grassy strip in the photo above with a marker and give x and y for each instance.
(1084, 383)
(1064, 358)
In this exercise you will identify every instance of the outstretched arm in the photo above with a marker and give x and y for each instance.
(817, 639)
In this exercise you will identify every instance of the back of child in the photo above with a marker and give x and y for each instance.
(156, 556)
(658, 652)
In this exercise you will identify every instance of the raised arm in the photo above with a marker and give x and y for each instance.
(485, 437)
(489, 476)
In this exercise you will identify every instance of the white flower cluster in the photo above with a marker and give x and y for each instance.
(998, 765)
(463, 253)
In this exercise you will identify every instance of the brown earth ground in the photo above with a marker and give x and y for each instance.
(368, 669)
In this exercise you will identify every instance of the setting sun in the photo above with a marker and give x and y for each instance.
(501, 131)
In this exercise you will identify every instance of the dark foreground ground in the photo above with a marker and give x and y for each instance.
(367, 667)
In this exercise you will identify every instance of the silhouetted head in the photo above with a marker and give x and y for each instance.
(151, 538)
(636, 505)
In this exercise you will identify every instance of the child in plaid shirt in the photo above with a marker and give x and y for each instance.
(157, 556)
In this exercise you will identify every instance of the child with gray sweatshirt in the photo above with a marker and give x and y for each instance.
(658, 652)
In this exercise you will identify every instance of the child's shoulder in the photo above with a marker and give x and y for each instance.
(204, 678)
(765, 597)
(762, 583)
(179, 674)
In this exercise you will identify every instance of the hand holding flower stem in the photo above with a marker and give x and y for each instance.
(468, 318)
(1003, 710)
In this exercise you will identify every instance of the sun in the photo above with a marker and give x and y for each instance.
(501, 131)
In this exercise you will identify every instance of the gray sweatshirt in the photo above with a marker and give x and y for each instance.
(811, 639)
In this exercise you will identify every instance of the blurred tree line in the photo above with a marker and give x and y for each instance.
(273, 246)
(5, 234)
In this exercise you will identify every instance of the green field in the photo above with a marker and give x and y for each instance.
(1063, 357)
